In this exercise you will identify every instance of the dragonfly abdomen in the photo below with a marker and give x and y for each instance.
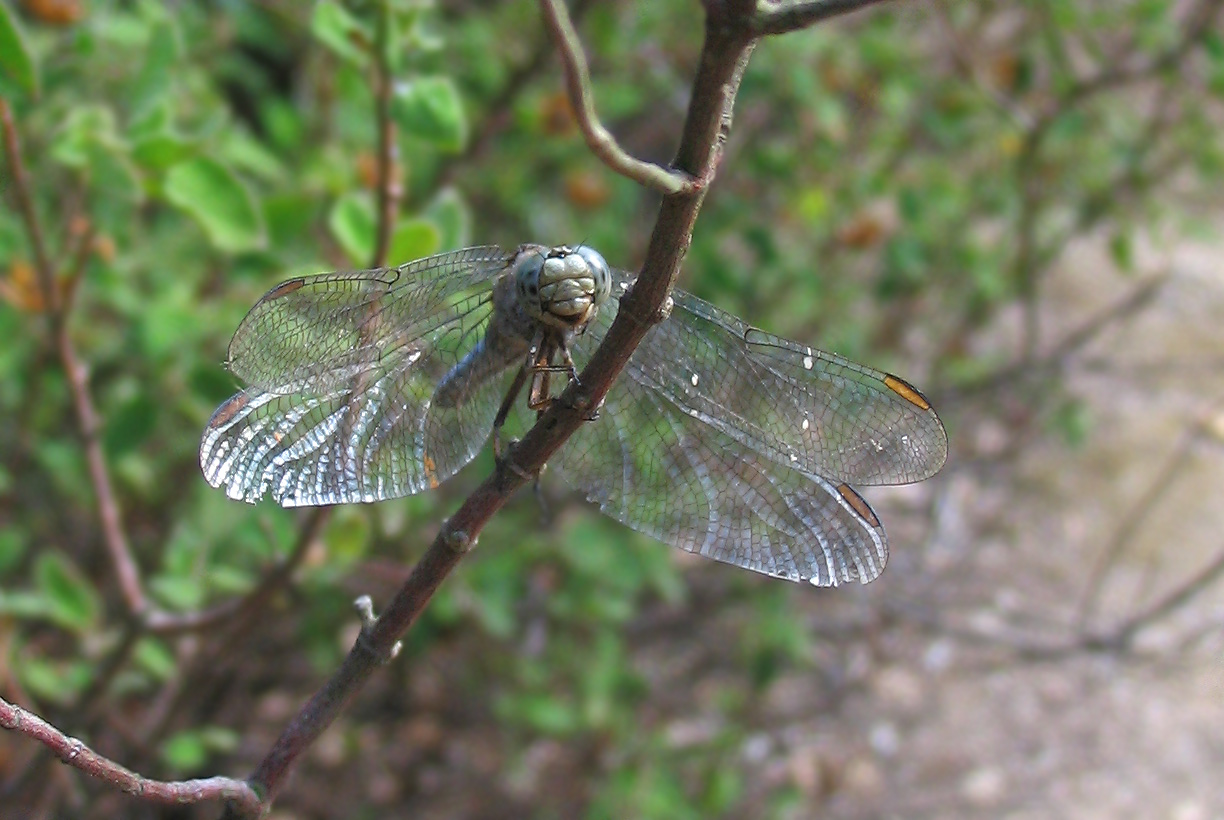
(503, 344)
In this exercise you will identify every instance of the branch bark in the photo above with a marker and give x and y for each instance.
(598, 138)
(127, 572)
(76, 754)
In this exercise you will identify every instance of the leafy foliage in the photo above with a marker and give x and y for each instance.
(876, 198)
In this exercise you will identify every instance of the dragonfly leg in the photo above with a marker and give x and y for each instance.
(567, 361)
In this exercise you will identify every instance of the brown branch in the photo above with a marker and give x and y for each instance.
(25, 205)
(76, 754)
(1074, 341)
(780, 18)
(598, 138)
(85, 235)
(126, 570)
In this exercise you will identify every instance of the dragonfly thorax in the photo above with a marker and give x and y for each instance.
(563, 286)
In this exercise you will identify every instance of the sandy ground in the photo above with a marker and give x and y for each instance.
(950, 726)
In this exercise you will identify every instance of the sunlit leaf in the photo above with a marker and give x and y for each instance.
(413, 239)
(450, 213)
(211, 194)
(156, 74)
(352, 223)
(17, 69)
(430, 108)
(341, 32)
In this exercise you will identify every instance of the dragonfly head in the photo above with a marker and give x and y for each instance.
(563, 286)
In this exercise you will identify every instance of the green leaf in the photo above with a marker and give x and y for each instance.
(85, 127)
(430, 108)
(352, 224)
(158, 152)
(151, 85)
(413, 239)
(130, 425)
(210, 193)
(1122, 251)
(348, 536)
(189, 750)
(12, 548)
(178, 592)
(155, 657)
(543, 713)
(185, 751)
(74, 602)
(450, 213)
(341, 32)
(54, 681)
(17, 68)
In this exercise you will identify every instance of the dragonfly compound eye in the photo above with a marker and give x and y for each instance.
(600, 272)
(527, 278)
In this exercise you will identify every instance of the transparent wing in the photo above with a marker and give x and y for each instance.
(731, 443)
(342, 369)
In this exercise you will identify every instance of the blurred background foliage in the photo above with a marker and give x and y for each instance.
(897, 187)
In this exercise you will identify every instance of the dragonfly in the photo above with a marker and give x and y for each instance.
(718, 437)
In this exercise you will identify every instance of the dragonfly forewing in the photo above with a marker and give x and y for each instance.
(731, 443)
(343, 370)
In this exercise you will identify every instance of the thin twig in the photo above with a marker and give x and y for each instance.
(76, 754)
(486, 132)
(1173, 600)
(1074, 341)
(598, 138)
(1128, 529)
(126, 570)
(964, 60)
(25, 204)
(780, 18)
(76, 265)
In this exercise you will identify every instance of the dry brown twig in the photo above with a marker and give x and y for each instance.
(76, 754)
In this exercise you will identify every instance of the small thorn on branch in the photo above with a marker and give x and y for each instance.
(365, 610)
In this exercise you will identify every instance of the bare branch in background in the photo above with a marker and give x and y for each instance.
(127, 572)
(1129, 527)
(486, 131)
(599, 139)
(76, 754)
